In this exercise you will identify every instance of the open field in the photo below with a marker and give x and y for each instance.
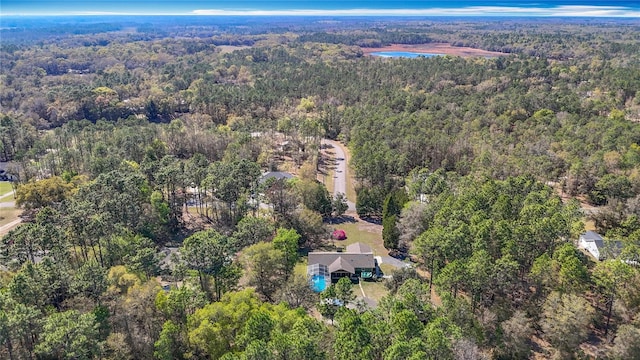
(437, 48)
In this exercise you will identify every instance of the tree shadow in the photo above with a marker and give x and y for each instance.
(344, 219)
(379, 272)
(303, 252)
(330, 245)
(537, 348)
(326, 164)
(372, 220)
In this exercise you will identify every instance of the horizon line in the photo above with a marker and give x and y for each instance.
(486, 11)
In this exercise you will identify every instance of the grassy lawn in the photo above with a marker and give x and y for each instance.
(5, 187)
(387, 269)
(301, 267)
(327, 180)
(7, 198)
(373, 289)
(362, 232)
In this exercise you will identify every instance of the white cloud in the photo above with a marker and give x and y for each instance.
(558, 11)
(572, 11)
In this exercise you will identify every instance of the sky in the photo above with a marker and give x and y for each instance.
(589, 8)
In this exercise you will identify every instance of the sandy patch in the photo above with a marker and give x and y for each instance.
(437, 48)
(225, 49)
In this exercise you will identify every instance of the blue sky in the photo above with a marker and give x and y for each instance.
(620, 8)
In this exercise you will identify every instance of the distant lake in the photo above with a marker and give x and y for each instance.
(404, 54)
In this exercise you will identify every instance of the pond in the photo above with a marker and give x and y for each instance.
(404, 54)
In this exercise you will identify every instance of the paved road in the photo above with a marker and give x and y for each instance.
(340, 172)
(399, 264)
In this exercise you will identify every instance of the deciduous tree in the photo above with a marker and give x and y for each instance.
(517, 333)
(41, 193)
(267, 268)
(210, 253)
(611, 277)
(626, 345)
(287, 241)
(252, 230)
(565, 321)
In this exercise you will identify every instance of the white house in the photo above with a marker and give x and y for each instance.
(598, 247)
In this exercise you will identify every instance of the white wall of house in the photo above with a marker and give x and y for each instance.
(591, 247)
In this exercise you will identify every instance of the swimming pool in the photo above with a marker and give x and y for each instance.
(318, 283)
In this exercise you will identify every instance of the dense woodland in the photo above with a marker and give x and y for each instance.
(126, 135)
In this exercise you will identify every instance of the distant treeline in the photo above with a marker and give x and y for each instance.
(377, 38)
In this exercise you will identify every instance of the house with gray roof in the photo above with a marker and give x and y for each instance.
(277, 175)
(355, 262)
(599, 247)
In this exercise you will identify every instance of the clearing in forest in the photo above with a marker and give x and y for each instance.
(437, 48)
